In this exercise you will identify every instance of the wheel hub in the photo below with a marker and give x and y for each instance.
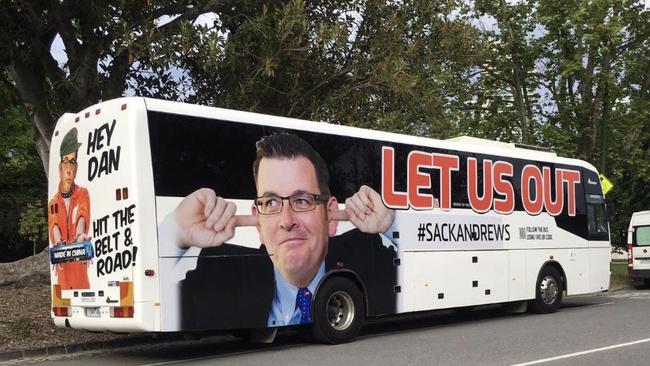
(548, 290)
(340, 310)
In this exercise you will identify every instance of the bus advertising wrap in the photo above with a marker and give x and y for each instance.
(172, 217)
(365, 202)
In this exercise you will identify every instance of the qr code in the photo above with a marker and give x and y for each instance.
(522, 233)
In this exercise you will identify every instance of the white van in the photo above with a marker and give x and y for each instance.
(638, 247)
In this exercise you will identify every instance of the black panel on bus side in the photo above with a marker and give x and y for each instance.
(596, 213)
(190, 152)
(574, 224)
(592, 182)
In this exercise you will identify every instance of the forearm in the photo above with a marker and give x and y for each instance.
(81, 227)
(56, 234)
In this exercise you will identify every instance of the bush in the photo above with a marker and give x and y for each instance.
(33, 225)
(22, 327)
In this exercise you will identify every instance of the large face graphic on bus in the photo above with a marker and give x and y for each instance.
(295, 217)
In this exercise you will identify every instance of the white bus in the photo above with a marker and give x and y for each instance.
(469, 222)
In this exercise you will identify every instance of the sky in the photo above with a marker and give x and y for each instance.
(58, 49)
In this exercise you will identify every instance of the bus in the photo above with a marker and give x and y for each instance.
(462, 222)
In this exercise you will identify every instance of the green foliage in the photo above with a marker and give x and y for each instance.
(33, 225)
(619, 276)
(583, 55)
(605, 46)
(368, 64)
(571, 75)
(22, 327)
(21, 179)
(583, 74)
(17, 148)
(506, 94)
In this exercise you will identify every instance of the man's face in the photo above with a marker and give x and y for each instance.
(67, 171)
(297, 241)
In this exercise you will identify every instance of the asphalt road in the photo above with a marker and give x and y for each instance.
(605, 329)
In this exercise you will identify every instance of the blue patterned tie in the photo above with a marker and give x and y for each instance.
(303, 301)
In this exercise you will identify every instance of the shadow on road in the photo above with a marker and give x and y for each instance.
(217, 346)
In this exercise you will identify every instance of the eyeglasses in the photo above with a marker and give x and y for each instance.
(69, 163)
(299, 202)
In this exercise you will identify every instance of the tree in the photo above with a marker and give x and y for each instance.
(570, 75)
(627, 152)
(108, 44)
(388, 66)
(596, 72)
(345, 62)
(506, 89)
(33, 225)
(21, 174)
(581, 66)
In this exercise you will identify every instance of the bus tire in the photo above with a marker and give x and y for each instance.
(337, 312)
(548, 292)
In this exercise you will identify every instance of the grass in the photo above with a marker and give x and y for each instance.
(619, 277)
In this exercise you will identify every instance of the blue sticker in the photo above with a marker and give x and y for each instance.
(72, 252)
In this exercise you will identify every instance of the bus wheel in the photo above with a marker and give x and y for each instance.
(338, 311)
(548, 292)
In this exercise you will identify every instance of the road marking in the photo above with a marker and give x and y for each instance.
(569, 355)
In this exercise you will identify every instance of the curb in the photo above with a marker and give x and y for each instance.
(83, 347)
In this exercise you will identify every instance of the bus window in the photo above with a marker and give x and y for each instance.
(596, 216)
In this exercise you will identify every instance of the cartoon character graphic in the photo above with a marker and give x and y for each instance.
(69, 215)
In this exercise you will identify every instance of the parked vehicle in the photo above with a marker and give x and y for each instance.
(638, 248)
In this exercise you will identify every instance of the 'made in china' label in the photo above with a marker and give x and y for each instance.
(71, 253)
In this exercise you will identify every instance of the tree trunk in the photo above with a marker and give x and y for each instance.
(31, 86)
(43, 150)
(521, 109)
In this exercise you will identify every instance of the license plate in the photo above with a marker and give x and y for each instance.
(644, 260)
(93, 312)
